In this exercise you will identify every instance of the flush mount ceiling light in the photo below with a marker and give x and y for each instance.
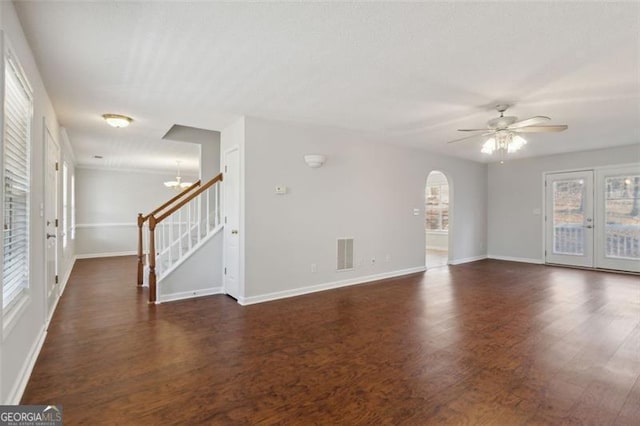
(117, 120)
(178, 183)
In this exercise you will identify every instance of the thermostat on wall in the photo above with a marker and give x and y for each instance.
(281, 189)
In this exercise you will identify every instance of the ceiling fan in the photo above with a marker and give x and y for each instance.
(504, 132)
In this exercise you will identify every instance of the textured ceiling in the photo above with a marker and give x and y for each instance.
(409, 73)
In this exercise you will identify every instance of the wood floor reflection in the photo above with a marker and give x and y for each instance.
(488, 342)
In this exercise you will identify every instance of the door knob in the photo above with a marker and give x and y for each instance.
(51, 236)
(234, 231)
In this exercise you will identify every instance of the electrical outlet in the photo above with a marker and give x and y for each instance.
(314, 268)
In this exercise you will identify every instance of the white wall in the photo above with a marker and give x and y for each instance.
(22, 337)
(199, 274)
(366, 190)
(210, 158)
(516, 190)
(108, 203)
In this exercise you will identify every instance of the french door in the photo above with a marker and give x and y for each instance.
(593, 218)
(618, 212)
(569, 218)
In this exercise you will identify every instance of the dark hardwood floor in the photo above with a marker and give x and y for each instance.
(489, 342)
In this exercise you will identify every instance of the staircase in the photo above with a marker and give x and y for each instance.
(173, 232)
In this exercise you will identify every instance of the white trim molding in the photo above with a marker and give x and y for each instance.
(326, 286)
(467, 259)
(516, 259)
(189, 294)
(106, 225)
(110, 254)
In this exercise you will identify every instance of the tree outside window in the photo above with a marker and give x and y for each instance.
(437, 208)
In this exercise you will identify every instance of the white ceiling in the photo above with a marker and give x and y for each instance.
(409, 73)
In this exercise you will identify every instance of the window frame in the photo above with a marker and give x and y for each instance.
(12, 308)
(438, 207)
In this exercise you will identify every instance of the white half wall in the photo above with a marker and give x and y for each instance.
(199, 274)
(516, 192)
(366, 190)
(107, 207)
(437, 240)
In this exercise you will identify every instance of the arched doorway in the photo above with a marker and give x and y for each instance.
(437, 212)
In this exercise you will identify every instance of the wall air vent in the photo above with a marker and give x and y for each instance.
(345, 254)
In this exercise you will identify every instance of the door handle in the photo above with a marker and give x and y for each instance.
(234, 231)
(51, 236)
(587, 226)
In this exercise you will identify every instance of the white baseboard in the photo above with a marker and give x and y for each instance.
(65, 279)
(109, 254)
(437, 248)
(467, 259)
(189, 294)
(15, 395)
(516, 259)
(326, 286)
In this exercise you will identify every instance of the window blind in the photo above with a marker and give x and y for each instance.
(18, 107)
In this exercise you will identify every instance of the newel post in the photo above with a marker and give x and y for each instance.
(152, 259)
(140, 263)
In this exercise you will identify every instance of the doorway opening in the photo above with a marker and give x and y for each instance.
(436, 220)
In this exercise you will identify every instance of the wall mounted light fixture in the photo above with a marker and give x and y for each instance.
(315, 160)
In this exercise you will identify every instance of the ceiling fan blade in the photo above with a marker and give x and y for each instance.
(542, 129)
(473, 130)
(529, 122)
(471, 137)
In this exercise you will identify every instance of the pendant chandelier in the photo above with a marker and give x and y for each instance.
(177, 184)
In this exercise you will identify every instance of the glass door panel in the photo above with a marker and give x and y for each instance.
(569, 218)
(618, 199)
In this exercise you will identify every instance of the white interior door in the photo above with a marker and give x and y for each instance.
(51, 188)
(232, 223)
(618, 207)
(569, 218)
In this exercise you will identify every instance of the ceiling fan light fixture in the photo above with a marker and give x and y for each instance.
(503, 132)
(489, 146)
(117, 120)
(517, 142)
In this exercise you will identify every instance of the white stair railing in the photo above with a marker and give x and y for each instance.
(180, 230)
(183, 230)
(143, 230)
